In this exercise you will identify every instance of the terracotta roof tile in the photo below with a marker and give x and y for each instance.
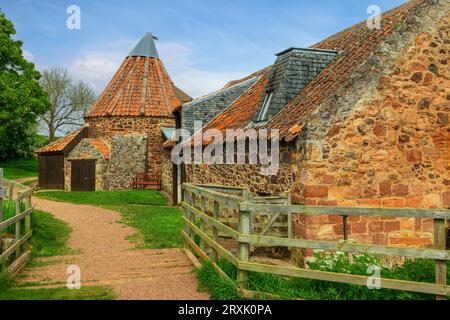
(101, 146)
(355, 45)
(141, 87)
(60, 144)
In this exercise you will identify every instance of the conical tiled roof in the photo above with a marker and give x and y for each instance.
(141, 87)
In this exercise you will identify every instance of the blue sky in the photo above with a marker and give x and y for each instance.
(203, 43)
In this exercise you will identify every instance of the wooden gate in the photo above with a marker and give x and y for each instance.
(83, 175)
(51, 172)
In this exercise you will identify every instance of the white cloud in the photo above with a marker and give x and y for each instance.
(191, 79)
(97, 66)
(28, 55)
(198, 82)
(94, 70)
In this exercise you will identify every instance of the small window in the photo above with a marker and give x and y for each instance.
(265, 107)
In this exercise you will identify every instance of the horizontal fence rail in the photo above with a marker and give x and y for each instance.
(15, 256)
(203, 223)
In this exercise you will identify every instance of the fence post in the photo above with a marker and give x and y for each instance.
(215, 232)
(187, 214)
(345, 221)
(202, 223)
(28, 217)
(11, 190)
(244, 248)
(440, 244)
(18, 202)
(193, 219)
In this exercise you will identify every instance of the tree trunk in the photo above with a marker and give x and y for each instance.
(51, 133)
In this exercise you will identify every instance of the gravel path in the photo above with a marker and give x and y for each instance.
(105, 258)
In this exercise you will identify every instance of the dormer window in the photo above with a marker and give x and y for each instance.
(265, 107)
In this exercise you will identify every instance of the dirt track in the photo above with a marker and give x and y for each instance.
(106, 258)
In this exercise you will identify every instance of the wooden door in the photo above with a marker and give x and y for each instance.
(51, 172)
(83, 175)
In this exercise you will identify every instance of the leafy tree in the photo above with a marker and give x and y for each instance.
(22, 99)
(69, 101)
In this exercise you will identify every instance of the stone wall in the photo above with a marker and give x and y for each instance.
(392, 149)
(85, 151)
(382, 142)
(128, 157)
(246, 175)
(109, 127)
(167, 173)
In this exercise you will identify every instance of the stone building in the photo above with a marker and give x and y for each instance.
(125, 129)
(363, 119)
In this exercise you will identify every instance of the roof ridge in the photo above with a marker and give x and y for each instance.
(224, 89)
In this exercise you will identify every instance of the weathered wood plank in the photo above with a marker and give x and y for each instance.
(225, 200)
(215, 223)
(350, 211)
(440, 244)
(202, 222)
(18, 231)
(220, 250)
(422, 287)
(243, 247)
(270, 223)
(346, 247)
(5, 255)
(5, 224)
(24, 194)
(205, 257)
(256, 225)
(19, 264)
(215, 231)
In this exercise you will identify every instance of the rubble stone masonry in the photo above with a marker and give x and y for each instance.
(107, 127)
(392, 151)
(385, 144)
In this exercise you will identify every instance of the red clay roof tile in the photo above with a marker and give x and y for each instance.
(60, 144)
(141, 87)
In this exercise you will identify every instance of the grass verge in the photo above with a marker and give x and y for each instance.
(158, 227)
(296, 288)
(129, 197)
(19, 169)
(61, 293)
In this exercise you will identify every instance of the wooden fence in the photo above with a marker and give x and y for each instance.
(15, 257)
(204, 206)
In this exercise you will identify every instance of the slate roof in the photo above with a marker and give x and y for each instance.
(141, 87)
(241, 111)
(61, 144)
(208, 107)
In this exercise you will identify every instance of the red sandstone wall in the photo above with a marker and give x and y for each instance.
(394, 151)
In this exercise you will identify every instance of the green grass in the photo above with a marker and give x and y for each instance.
(142, 197)
(19, 169)
(158, 226)
(296, 288)
(50, 237)
(62, 293)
